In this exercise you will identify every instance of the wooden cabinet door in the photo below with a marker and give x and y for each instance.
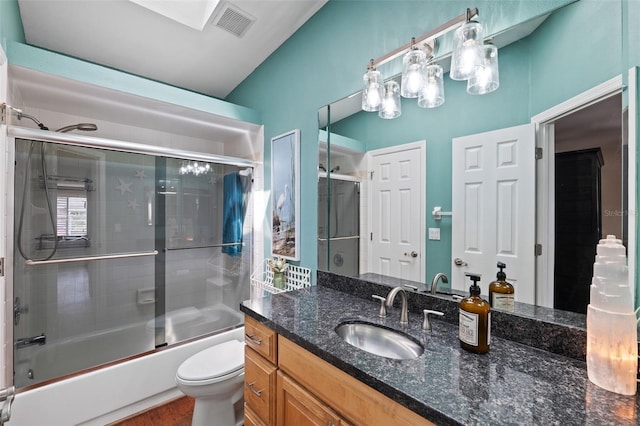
(260, 386)
(298, 407)
(251, 418)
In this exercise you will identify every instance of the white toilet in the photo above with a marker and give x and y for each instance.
(215, 378)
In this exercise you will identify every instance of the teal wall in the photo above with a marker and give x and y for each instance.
(525, 68)
(10, 23)
(325, 59)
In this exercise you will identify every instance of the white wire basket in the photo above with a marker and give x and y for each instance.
(295, 277)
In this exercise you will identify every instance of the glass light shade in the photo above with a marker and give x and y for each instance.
(412, 64)
(486, 79)
(467, 51)
(372, 90)
(432, 94)
(391, 107)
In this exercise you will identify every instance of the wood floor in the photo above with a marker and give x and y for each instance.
(174, 413)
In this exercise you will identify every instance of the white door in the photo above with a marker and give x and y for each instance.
(493, 203)
(397, 195)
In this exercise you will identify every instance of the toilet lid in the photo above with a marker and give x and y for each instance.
(216, 361)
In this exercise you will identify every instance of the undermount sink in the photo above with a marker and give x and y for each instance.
(379, 340)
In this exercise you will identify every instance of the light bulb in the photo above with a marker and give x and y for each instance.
(412, 64)
(467, 51)
(432, 94)
(390, 107)
(485, 79)
(372, 90)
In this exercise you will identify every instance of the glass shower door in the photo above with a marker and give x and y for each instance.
(84, 258)
(118, 253)
(208, 246)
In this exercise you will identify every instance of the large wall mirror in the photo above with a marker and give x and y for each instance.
(548, 76)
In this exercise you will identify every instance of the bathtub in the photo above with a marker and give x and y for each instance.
(111, 393)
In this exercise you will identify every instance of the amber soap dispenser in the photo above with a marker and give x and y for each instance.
(475, 320)
(501, 293)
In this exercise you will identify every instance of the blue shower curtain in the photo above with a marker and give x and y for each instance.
(232, 215)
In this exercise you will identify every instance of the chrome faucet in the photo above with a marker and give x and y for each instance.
(404, 312)
(30, 341)
(434, 282)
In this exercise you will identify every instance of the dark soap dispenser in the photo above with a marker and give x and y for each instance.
(501, 292)
(475, 320)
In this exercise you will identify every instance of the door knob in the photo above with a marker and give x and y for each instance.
(459, 262)
(412, 254)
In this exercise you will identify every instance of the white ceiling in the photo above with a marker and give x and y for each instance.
(126, 36)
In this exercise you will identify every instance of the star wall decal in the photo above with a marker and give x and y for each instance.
(124, 187)
(140, 174)
(133, 204)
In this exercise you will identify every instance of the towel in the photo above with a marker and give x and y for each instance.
(232, 214)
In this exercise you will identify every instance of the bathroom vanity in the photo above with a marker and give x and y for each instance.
(315, 374)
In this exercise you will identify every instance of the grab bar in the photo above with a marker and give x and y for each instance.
(201, 247)
(40, 339)
(354, 237)
(90, 258)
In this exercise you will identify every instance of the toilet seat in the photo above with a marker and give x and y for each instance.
(212, 365)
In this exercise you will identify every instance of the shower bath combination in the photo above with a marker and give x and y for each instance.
(81, 297)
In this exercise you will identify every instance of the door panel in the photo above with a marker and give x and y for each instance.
(493, 206)
(397, 212)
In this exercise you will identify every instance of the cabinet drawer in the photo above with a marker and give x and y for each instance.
(251, 418)
(261, 339)
(260, 386)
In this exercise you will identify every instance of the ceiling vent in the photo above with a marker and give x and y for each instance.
(233, 19)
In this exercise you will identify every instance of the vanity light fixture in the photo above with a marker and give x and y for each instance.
(467, 50)
(391, 106)
(422, 77)
(432, 93)
(372, 90)
(195, 168)
(412, 71)
(486, 79)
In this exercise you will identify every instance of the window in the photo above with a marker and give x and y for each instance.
(72, 213)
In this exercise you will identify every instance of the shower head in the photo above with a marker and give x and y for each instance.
(87, 127)
(21, 114)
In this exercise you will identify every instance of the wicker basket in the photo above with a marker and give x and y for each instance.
(295, 277)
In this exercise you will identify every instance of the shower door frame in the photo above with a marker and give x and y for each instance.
(15, 132)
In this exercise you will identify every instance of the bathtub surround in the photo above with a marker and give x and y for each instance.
(87, 299)
(109, 394)
(560, 332)
(512, 384)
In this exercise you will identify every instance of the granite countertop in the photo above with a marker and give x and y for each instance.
(512, 384)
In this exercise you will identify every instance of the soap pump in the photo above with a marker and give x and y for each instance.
(501, 292)
(475, 320)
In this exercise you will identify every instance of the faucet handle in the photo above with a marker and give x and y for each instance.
(411, 287)
(426, 324)
(383, 305)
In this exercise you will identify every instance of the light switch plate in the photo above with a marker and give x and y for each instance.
(434, 234)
